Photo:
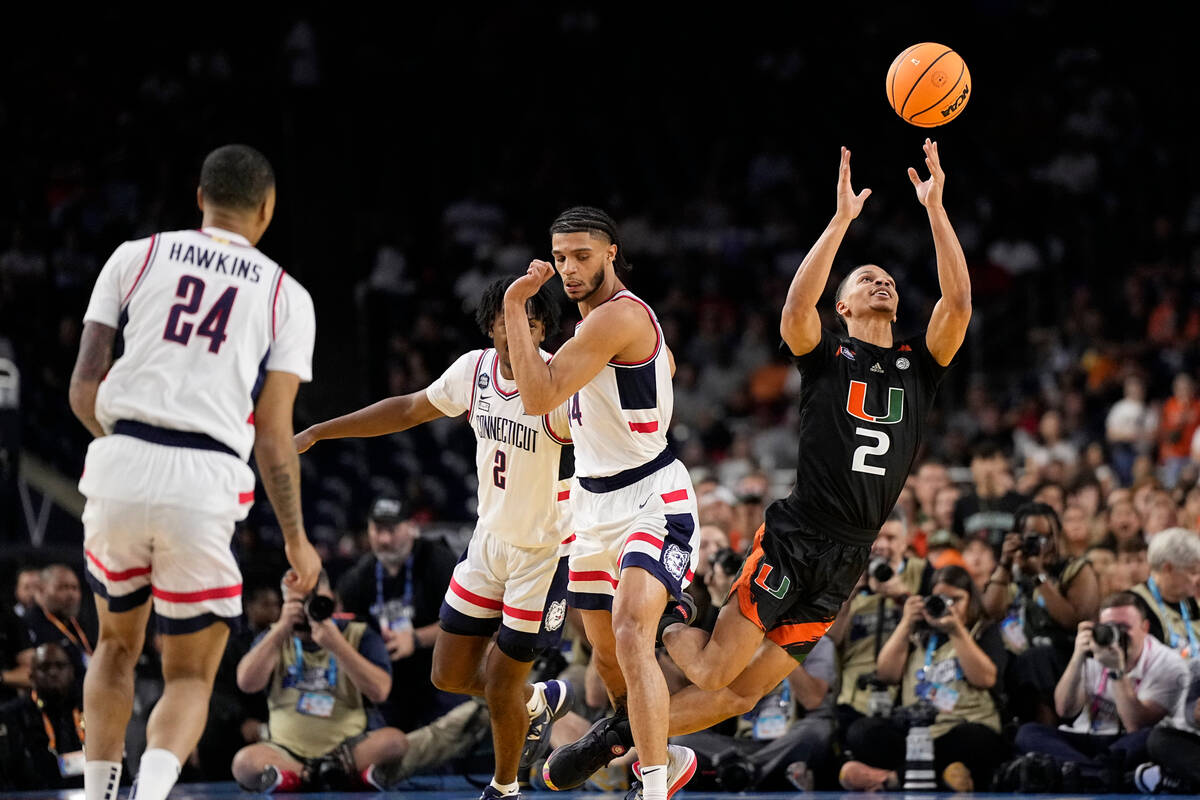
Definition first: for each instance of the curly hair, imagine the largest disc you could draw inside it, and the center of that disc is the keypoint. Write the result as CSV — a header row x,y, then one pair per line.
x,y
543,305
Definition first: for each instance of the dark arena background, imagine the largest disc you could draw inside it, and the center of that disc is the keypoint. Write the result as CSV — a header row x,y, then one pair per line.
x,y
422,152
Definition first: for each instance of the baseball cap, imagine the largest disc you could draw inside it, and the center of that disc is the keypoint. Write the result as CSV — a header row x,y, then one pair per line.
x,y
387,510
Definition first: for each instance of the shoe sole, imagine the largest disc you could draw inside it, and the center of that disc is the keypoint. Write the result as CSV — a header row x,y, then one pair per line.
x,y
610,755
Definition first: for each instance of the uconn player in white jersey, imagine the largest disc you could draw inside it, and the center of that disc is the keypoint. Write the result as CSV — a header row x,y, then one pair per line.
x,y
214,341
513,576
634,507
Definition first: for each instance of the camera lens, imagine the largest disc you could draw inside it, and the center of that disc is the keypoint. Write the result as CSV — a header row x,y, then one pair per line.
x,y
880,570
1031,544
1105,633
936,606
318,607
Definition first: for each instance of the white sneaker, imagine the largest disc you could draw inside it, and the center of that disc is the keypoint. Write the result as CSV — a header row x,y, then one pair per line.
x,y
681,766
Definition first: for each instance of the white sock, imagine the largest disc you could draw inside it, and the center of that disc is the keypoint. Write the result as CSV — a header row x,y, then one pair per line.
x,y
654,782
506,788
101,780
537,702
156,775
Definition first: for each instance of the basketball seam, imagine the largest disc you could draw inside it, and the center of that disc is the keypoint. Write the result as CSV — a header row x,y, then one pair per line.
x,y
912,88
943,97
892,88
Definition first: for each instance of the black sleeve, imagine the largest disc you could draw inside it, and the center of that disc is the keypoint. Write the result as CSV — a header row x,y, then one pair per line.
x,y
353,592
819,357
441,567
960,517
991,643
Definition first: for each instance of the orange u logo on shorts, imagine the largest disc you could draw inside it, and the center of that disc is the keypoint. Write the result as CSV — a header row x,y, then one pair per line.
x,y
764,572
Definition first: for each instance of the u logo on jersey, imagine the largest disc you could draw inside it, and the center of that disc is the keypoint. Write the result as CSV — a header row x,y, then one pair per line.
x,y
856,399
764,572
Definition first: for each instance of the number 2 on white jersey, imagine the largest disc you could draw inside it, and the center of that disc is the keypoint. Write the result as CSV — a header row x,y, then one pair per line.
x,y
191,289
882,443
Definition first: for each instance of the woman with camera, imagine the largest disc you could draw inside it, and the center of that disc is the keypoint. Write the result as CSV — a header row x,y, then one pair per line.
x,y
1041,596
947,658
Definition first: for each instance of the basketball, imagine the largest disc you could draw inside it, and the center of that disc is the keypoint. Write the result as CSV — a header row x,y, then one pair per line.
x,y
928,85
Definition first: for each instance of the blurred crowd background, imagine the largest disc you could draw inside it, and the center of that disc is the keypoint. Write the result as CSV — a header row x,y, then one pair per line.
x,y
417,160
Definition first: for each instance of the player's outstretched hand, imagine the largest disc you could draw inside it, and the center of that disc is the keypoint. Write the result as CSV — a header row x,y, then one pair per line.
x,y
849,204
306,566
528,284
304,440
929,192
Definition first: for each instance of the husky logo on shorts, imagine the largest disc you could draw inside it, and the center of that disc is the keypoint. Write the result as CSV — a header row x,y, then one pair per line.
x,y
483,381
675,560
556,615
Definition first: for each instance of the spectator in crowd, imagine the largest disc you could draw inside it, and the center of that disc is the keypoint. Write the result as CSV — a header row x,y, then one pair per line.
x,y
1133,563
16,655
980,561
707,596
42,734
1076,536
55,617
1180,419
1170,591
1041,595
1048,446
1051,494
1162,514
1108,577
1129,428
782,742
25,593
868,618
319,675
947,666
988,510
716,507
1123,522
928,480
1115,690
399,586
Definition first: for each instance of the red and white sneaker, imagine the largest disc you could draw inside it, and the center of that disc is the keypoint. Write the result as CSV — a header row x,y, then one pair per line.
x,y
681,766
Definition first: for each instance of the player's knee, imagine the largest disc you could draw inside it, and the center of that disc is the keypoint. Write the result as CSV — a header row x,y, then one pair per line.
x,y
447,678
633,637
117,654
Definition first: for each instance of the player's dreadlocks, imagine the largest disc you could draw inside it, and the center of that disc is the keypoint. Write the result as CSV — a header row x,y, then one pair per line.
x,y
587,219
543,305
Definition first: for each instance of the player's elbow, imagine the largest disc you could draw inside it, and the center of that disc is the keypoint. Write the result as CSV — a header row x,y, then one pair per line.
x,y
538,404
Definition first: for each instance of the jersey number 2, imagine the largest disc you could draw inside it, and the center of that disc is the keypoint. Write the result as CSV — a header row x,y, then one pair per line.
x,y
501,463
191,289
882,443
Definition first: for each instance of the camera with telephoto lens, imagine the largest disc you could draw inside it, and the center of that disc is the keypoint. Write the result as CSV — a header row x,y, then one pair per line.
x,y
1106,634
734,772
318,607
879,698
880,570
1032,544
938,605
728,560
920,713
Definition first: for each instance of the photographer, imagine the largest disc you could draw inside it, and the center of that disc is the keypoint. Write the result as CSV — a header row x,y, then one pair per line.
x,y
710,586
947,658
1041,596
1174,745
1119,683
318,672
868,618
1170,591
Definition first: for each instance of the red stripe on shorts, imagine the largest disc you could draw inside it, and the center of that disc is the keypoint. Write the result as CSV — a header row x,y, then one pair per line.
x,y
596,575
474,599
198,597
246,497
644,537
569,539
116,576
678,494
565,494
520,613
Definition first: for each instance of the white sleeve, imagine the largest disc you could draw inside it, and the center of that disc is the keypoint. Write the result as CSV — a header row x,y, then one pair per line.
x,y
295,329
451,393
1166,682
560,427
120,273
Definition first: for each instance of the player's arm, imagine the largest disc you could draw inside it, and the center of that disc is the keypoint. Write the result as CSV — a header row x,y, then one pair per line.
x,y
379,419
948,325
95,357
800,325
279,467
608,330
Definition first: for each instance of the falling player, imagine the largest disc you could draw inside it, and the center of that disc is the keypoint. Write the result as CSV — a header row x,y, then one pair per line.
x,y
634,507
217,338
863,400
513,575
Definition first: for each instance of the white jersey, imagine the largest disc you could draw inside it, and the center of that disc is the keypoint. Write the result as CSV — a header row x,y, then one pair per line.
x,y
203,316
619,419
524,475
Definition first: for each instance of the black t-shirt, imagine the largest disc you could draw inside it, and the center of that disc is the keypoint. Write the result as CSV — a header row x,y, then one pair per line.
x,y
13,640
74,636
25,759
862,415
987,518
413,698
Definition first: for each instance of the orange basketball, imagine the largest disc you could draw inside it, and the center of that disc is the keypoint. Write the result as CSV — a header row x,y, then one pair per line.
x,y
928,85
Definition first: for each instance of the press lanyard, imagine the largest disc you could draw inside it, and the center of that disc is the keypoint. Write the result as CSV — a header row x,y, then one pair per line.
x,y
1193,648
923,675
296,671
82,642
407,599
52,738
